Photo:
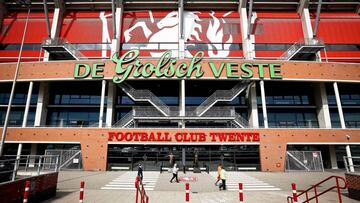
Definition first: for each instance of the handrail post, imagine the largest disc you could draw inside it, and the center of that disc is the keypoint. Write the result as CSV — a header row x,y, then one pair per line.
x,y
307,197
39,165
27,163
137,191
338,189
316,195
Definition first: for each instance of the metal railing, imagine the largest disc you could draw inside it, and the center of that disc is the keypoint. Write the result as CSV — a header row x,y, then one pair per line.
x,y
316,194
151,113
28,165
125,121
221,95
66,157
60,42
145,95
295,48
355,165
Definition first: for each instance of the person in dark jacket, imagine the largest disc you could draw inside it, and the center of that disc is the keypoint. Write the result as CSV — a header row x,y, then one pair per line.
x,y
175,170
140,172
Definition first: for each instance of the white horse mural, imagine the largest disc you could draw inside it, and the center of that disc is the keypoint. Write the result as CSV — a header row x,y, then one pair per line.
x,y
167,31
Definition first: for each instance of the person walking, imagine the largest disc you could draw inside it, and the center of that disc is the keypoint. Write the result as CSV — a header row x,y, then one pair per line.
x,y
175,171
140,172
223,179
218,172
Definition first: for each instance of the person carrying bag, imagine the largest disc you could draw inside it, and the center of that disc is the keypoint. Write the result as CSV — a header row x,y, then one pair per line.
x,y
175,171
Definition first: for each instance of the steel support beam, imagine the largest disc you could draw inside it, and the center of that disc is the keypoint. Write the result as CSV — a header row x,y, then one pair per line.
x,y
47,20
253,107
115,44
339,105
303,4
42,103
56,23
113,10
27,106
12,93
242,4
181,51
182,103
249,19
247,43
263,104
350,161
318,11
102,103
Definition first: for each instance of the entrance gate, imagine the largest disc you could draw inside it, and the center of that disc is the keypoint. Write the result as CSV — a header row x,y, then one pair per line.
x,y
152,157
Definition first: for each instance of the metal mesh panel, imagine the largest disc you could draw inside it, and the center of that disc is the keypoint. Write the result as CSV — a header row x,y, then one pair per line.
x,y
304,161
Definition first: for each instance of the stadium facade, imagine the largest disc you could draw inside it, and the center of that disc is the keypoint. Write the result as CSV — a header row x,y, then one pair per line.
x,y
242,83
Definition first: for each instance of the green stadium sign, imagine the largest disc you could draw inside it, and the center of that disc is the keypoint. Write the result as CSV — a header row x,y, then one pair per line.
x,y
129,66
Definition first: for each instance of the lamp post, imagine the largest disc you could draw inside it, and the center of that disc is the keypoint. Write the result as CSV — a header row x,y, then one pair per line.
x,y
27,4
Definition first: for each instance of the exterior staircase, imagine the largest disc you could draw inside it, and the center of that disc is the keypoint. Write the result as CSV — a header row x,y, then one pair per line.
x,y
302,50
151,113
221,95
145,95
60,49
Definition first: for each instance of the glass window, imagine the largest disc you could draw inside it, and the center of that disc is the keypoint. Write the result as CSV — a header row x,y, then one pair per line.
x,y
75,93
290,118
71,117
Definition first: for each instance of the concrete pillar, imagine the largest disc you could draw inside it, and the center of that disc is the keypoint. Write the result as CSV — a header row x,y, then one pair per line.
x,y
253,108
110,106
263,103
333,159
55,26
42,102
33,151
322,107
248,42
115,43
102,103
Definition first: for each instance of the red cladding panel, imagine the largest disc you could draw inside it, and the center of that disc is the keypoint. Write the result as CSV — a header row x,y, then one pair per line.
x,y
87,27
14,24
271,30
340,31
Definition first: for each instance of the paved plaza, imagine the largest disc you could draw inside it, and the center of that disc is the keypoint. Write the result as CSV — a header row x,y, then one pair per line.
x,y
258,187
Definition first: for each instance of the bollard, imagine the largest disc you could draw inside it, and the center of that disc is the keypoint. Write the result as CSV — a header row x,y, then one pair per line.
x,y
293,186
82,184
26,191
241,195
187,196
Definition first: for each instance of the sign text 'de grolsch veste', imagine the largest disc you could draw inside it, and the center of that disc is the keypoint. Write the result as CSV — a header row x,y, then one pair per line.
x,y
130,66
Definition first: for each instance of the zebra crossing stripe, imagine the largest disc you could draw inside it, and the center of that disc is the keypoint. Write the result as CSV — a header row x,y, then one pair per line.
x,y
126,181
